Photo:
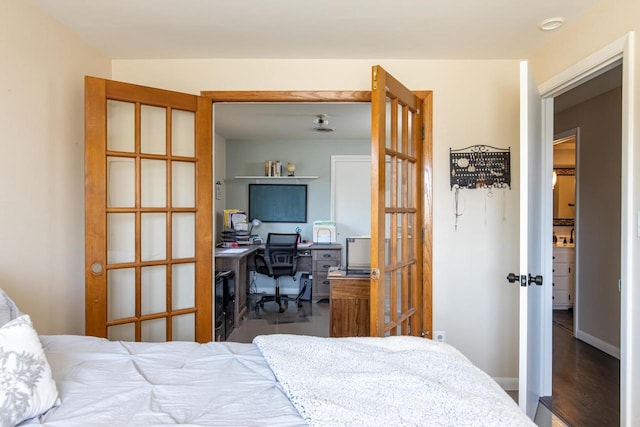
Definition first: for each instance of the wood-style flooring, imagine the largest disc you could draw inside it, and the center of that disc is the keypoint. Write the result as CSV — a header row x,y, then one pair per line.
x,y
586,381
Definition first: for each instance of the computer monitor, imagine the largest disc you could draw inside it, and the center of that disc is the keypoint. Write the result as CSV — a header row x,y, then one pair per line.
x,y
358,256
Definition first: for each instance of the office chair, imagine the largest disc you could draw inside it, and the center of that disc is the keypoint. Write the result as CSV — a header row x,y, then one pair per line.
x,y
279,259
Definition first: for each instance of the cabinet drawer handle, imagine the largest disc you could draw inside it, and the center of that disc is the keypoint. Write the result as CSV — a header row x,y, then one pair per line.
x,y
326,255
326,282
326,266
553,284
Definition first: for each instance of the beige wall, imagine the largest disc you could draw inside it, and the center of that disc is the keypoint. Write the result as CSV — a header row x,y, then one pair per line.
x,y
609,21
41,166
475,102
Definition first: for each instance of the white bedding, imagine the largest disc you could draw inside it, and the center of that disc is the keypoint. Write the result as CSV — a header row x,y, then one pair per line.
x,y
320,381
105,383
394,381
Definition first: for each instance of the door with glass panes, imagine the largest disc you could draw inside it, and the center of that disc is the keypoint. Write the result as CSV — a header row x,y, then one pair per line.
x,y
148,206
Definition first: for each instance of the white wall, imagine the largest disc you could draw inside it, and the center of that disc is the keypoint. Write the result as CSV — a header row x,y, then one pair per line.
x,y
605,23
219,174
475,102
42,165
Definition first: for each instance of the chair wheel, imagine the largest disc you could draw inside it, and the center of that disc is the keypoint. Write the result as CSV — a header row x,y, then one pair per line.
x,y
281,310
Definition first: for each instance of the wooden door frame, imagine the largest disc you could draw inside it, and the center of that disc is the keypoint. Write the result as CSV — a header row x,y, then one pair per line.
x,y
427,160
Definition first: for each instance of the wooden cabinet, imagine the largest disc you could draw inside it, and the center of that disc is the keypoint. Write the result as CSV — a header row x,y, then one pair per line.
x,y
323,257
563,277
349,306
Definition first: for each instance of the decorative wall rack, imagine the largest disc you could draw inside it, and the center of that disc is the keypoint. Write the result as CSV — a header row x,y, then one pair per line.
x,y
480,166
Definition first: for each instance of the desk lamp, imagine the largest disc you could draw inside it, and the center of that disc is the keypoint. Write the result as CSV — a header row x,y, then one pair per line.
x,y
255,222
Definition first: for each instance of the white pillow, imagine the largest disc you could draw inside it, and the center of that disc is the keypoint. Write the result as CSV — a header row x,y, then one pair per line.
x,y
8,308
27,388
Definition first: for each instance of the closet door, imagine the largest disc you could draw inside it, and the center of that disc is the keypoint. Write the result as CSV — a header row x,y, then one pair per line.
x,y
148,205
400,208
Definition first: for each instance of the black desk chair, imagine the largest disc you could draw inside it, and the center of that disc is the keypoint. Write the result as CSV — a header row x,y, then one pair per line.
x,y
279,259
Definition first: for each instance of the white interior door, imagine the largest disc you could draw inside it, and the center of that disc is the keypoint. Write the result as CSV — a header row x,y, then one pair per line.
x,y
532,241
350,191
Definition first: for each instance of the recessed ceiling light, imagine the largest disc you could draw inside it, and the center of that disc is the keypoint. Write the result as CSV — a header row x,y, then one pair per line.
x,y
551,23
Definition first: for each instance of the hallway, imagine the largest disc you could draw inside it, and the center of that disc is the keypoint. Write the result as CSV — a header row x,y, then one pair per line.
x,y
586,381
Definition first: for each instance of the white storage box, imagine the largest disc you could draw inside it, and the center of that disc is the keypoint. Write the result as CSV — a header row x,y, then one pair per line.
x,y
324,232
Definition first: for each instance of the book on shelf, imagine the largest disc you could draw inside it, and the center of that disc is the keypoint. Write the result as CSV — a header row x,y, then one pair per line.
x,y
273,168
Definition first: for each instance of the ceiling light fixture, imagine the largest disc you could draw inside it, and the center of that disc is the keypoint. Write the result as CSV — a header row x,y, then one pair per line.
x,y
322,124
551,23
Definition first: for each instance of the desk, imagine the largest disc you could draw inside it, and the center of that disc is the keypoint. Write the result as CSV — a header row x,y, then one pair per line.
x,y
316,259
236,259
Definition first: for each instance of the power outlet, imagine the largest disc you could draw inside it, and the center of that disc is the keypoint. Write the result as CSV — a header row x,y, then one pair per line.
x,y
440,336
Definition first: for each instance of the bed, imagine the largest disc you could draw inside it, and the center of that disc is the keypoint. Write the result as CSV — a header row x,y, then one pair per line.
x,y
278,380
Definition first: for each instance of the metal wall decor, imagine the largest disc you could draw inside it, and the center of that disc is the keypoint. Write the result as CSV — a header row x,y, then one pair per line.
x,y
480,166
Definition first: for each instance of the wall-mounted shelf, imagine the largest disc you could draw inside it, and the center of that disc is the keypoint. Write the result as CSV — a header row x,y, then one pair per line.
x,y
259,178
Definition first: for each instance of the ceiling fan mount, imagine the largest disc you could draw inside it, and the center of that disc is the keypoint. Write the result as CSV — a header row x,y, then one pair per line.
x,y
322,123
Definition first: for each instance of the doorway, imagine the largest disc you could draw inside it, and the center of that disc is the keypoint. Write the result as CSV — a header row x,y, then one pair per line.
x,y
412,111
587,327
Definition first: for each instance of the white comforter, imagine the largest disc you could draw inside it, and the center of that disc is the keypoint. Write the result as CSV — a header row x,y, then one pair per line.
x,y
390,381
320,381
113,384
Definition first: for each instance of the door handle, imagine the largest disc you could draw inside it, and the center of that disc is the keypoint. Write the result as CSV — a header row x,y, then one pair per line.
x,y
512,278
535,280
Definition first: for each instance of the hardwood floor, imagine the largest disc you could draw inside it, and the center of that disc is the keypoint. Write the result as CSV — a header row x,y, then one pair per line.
x,y
586,381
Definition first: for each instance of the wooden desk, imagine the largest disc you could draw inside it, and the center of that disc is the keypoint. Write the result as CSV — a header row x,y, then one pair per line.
x,y
349,306
237,259
315,259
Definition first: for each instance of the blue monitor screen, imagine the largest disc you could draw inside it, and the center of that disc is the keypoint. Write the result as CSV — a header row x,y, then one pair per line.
x,y
278,202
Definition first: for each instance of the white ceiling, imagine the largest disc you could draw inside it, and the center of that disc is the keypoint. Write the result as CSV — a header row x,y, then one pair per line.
x,y
335,29
352,29
280,122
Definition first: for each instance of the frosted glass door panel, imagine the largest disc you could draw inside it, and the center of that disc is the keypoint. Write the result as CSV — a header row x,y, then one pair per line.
x,y
121,293
154,288
182,133
183,327
153,183
126,332
154,330
121,182
153,130
410,149
183,187
153,236
388,124
121,126
121,238
184,286
400,202
183,237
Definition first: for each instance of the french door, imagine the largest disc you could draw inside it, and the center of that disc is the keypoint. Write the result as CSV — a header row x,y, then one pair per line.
x,y
148,207
401,208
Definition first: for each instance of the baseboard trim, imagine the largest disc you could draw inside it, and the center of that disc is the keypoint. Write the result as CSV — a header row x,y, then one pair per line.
x,y
507,383
599,344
